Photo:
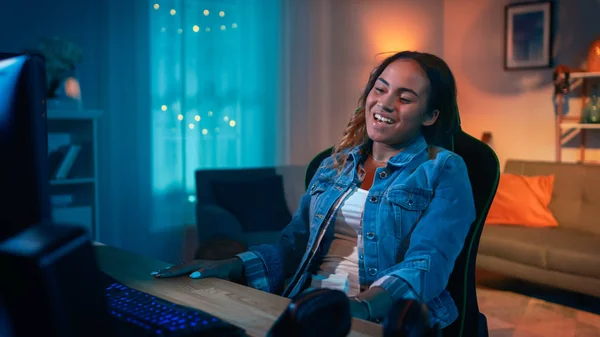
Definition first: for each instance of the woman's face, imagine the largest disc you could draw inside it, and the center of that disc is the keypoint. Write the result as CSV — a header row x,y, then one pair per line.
x,y
396,107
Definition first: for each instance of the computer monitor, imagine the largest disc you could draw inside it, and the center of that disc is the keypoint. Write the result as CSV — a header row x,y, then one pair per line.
x,y
50,279
24,183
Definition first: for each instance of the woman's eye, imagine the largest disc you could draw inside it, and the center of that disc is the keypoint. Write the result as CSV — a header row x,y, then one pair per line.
x,y
404,100
378,90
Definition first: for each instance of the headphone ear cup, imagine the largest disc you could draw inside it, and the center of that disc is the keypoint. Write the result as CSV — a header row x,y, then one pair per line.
x,y
317,313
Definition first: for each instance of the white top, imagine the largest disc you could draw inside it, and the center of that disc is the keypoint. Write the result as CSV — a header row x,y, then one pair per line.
x,y
339,269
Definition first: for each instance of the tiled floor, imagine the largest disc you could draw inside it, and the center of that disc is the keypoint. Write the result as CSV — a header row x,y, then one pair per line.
x,y
521,312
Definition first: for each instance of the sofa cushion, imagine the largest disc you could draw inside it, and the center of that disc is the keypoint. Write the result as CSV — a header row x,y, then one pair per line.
x,y
522,201
555,249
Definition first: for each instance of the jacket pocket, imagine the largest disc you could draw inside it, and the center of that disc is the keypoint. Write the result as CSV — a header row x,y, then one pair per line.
x,y
408,204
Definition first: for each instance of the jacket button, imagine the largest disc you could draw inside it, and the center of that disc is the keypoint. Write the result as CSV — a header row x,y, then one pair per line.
x,y
360,257
320,216
371,236
383,174
372,271
373,199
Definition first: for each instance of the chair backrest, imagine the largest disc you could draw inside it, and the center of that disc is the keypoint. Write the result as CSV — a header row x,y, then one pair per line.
x,y
484,173
313,166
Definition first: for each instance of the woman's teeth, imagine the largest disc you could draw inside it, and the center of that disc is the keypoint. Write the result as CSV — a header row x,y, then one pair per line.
x,y
382,119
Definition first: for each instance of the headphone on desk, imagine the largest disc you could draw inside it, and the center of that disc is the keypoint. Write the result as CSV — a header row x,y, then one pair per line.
x,y
326,313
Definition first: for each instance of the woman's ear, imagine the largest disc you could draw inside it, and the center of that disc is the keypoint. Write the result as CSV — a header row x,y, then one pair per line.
x,y
431,118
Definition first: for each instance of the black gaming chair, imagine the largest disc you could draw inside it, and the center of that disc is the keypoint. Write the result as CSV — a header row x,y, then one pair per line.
x,y
484,174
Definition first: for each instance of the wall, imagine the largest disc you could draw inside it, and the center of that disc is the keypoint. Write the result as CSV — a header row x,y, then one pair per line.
x,y
331,47
516,106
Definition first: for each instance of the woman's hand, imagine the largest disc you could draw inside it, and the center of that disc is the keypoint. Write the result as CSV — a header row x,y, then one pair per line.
x,y
230,269
358,309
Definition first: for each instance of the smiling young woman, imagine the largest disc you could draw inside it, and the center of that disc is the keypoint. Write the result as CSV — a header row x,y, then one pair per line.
x,y
386,215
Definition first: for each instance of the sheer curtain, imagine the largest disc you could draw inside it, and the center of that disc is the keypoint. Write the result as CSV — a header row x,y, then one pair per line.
x,y
214,95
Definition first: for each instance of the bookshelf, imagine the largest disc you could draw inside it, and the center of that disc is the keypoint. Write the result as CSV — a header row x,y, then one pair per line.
x,y
73,164
567,123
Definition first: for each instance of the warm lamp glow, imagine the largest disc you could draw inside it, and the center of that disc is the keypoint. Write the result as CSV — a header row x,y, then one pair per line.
x,y
72,88
391,34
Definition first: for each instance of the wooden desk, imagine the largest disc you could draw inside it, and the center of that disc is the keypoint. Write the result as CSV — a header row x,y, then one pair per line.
x,y
251,309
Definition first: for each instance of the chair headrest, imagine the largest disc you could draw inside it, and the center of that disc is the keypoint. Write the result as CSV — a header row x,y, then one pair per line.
x,y
442,134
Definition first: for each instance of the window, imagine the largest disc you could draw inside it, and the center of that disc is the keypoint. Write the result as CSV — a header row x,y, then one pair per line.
x,y
215,88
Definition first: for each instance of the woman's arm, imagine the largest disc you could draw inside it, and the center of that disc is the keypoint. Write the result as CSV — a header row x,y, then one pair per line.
x,y
435,243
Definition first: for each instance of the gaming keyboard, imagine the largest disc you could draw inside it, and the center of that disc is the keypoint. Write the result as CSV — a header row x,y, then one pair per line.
x,y
139,314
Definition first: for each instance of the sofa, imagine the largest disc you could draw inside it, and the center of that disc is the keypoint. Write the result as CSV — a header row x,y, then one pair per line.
x,y
566,256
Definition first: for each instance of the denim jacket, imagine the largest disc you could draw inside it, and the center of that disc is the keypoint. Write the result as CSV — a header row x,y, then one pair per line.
x,y
416,218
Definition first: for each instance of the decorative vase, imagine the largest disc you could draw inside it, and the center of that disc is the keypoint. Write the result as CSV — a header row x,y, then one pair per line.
x,y
594,56
591,110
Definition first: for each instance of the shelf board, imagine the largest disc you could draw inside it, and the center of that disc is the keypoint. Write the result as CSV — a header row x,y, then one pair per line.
x,y
585,74
72,181
579,126
73,114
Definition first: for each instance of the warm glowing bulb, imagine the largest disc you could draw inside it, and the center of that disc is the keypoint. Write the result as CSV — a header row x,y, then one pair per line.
x,y
234,25
221,14
156,6
191,126
163,108
210,113
173,12
180,31
222,27
196,28
232,123
225,118
204,131
197,118
180,117
207,30
206,12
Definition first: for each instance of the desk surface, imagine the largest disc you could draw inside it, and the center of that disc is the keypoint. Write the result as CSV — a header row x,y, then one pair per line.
x,y
251,309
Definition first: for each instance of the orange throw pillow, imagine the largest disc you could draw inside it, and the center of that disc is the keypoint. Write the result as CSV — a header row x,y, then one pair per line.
x,y
522,201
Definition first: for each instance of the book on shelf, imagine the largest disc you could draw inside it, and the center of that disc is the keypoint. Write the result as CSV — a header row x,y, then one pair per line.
x,y
64,167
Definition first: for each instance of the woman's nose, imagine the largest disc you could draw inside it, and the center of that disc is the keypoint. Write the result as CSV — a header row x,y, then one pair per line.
x,y
387,104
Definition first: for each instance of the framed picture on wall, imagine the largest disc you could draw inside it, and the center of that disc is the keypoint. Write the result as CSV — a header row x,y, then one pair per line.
x,y
528,35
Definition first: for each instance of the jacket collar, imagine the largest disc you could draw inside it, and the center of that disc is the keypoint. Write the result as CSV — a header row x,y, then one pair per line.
x,y
417,146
